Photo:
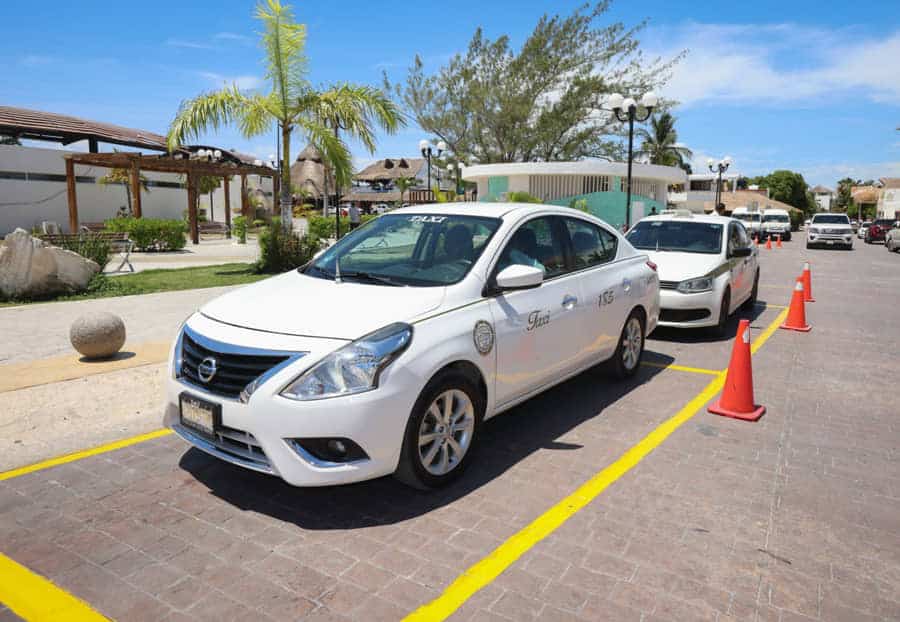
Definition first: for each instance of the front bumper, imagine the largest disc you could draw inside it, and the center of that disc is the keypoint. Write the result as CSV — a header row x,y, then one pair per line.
x,y
698,310
830,239
784,233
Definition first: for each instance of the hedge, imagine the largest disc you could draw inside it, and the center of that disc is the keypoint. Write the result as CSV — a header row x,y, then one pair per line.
x,y
323,227
151,234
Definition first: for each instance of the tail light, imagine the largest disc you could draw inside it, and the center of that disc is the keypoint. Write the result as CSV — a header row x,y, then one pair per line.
x,y
651,265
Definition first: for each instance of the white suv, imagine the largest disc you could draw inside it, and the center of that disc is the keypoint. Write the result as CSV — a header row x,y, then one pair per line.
x,y
830,230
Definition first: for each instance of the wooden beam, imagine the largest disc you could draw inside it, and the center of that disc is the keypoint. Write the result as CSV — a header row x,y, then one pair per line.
x,y
73,200
227,207
245,200
136,188
192,208
161,164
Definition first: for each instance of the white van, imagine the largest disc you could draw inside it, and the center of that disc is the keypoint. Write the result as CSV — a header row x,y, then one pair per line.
x,y
751,217
776,222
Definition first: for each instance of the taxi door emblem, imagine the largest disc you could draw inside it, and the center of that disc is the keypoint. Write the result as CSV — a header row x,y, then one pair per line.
x,y
483,336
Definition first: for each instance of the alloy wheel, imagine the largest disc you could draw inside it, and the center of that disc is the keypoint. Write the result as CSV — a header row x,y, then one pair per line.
x,y
446,432
632,342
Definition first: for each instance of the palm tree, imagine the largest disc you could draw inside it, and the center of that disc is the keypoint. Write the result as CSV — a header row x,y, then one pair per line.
x,y
403,184
660,144
292,103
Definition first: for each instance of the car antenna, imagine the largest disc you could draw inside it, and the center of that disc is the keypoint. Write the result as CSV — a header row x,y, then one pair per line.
x,y
337,271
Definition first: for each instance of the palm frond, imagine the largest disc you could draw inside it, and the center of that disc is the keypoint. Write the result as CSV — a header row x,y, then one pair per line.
x,y
209,111
284,41
356,109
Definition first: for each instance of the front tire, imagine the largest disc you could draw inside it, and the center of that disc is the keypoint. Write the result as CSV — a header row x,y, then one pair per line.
x,y
721,328
441,432
630,349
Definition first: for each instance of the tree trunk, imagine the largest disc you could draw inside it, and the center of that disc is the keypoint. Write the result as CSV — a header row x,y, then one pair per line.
x,y
287,211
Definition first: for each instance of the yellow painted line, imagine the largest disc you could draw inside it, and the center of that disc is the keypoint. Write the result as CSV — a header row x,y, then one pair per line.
x,y
768,306
78,455
14,376
690,370
36,599
501,558
771,328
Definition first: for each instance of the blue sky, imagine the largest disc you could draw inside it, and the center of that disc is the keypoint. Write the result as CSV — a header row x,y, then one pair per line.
x,y
809,86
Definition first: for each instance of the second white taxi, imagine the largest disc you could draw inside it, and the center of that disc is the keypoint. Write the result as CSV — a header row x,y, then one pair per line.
x,y
386,353
708,267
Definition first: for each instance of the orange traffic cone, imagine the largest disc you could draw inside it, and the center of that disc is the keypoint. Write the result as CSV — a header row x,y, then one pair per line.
x,y
796,318
778,241
769,243
807,283
737,395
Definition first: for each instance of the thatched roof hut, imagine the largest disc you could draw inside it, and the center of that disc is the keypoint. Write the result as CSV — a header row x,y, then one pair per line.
x,y
308,172
390,169
865,195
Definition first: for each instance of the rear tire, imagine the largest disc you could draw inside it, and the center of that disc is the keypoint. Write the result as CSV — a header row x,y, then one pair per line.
x,y
630,350
438,430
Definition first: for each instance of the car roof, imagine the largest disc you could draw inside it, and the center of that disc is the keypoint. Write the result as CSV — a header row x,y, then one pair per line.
x,y
704,218
478,208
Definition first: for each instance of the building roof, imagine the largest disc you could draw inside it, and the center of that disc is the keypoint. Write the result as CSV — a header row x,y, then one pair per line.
x,y
864,194
38,125
357,194
308,172
391,168
667,174
748,198
890,182
820,190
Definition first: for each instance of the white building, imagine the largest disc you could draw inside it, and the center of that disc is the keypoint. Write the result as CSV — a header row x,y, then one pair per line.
x,y
600,184
823,197
889,199
698,194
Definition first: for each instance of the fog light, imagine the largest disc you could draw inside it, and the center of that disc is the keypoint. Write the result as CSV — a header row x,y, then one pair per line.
x,y
327,451
337,447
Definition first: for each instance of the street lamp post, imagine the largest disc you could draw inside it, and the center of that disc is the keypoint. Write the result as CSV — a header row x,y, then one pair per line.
x,y
428,152
718,167
626,109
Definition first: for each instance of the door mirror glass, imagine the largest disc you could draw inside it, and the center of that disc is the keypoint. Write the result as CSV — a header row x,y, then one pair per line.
x,y
518,276
741,252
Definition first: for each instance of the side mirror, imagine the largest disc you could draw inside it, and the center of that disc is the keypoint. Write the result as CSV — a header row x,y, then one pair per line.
x,y
742,252
518,276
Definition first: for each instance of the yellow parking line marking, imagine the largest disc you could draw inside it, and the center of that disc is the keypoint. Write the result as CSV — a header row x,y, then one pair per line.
x,y
768,306
690,370
34,598
78,455
501,558
14,376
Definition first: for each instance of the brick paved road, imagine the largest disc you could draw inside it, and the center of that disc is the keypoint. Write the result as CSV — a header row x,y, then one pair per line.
x,y
793,518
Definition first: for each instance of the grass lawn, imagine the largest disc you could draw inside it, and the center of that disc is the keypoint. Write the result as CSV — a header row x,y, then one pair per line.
x,y
150,281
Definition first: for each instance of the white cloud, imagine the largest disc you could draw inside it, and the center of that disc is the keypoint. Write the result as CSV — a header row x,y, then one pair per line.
x,y
828,173
244,83
194,45
34,60
777,64
232,36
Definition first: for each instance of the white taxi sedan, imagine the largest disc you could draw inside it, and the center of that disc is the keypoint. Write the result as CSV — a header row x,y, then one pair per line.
x,y
708,267
386,352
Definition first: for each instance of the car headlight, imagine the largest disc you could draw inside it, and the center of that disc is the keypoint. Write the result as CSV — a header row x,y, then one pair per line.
x,y
354,368
692,286
814,230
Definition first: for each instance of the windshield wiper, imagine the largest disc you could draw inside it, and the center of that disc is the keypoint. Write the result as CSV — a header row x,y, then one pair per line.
x,y
373,278
322,271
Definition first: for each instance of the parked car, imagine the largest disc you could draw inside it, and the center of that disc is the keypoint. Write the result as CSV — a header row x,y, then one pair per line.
x,y
830,230
878,230
855,225
892,237
708,267
861,232
380,208
776,222
752,220
424,323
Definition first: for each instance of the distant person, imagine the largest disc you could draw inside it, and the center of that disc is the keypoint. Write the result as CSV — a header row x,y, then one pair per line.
x,y
653,211
720,209
354,216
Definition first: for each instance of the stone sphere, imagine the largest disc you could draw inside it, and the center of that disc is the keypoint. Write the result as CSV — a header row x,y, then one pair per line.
x,y
97,335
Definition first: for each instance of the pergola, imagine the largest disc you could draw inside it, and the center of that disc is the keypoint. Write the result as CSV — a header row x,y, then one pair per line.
x,y
190,168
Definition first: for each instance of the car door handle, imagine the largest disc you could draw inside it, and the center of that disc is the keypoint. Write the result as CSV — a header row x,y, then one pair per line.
x,y
569,301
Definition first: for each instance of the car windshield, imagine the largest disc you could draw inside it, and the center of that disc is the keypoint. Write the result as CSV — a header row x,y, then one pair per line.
x,y
677,236
776,218
747,217
831,219
422,250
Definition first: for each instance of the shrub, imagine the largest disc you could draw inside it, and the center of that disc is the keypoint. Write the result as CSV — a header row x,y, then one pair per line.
x,y
239,229
323,227
90,246
280,251
149,234
259,222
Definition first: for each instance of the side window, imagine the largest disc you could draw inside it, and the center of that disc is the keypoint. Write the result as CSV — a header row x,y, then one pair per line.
x,y
591,245
743,238
535,243
734,240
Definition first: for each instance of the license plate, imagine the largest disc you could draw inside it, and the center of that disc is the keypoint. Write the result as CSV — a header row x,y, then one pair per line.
x,y
199,415
829,242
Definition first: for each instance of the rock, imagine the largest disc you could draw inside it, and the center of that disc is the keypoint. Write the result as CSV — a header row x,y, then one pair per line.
x,y
31,268
97,335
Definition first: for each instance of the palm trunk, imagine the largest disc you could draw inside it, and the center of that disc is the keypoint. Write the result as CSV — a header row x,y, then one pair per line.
x,y
287,211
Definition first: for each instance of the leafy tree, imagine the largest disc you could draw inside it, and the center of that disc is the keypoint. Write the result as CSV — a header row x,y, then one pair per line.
x,y
542,101
123,176
844,200
293,104
521,197
660,142
403,184
788,187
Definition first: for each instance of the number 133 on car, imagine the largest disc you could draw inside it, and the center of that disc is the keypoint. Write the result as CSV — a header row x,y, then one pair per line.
x,y
387,352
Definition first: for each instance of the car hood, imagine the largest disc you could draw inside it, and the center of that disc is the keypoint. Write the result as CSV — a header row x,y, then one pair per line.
x,y
680,266
296,304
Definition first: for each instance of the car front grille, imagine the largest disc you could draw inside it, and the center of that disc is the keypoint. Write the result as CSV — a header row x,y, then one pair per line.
x,y
668,284
834,231
241,444
682,315
233,371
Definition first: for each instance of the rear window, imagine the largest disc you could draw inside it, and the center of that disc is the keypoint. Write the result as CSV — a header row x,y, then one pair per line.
x,y
677,236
